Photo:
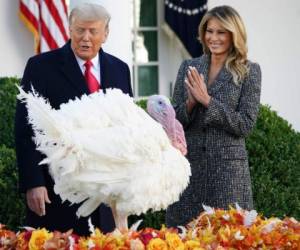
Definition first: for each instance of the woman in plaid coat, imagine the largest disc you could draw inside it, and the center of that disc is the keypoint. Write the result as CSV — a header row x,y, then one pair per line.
x,y
217,100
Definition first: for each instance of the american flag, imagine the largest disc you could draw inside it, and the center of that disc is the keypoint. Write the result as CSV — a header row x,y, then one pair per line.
x,y
47,20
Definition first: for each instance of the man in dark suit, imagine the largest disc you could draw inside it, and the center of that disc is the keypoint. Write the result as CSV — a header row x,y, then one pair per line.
x,y
59,76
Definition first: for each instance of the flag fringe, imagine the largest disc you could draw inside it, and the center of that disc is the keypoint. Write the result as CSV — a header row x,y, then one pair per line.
x,y
33,30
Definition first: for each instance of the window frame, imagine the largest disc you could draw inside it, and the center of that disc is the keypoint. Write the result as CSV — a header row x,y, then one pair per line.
x,y
135,65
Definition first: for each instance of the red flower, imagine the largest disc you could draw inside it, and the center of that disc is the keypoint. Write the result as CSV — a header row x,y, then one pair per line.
x,y
146,237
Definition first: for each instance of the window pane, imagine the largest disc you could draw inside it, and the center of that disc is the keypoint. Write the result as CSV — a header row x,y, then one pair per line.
x,y
145,13
146,46
148,80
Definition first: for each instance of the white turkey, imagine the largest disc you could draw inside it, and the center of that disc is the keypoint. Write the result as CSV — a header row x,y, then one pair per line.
x,y
118,155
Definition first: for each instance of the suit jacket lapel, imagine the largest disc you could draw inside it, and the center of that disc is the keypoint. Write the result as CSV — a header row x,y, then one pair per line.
x,y
204,67
105,67
72,70
223,76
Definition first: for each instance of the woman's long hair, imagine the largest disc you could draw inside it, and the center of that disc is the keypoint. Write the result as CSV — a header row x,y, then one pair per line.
x,y
236,61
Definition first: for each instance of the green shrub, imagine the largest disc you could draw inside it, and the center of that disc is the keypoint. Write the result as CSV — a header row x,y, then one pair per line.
x,y
150,219
8,92
12,204
142,103
274,158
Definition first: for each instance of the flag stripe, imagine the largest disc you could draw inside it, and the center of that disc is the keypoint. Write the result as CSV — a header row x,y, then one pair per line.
x,y
47,35
52,32
44,45
62,9
57,17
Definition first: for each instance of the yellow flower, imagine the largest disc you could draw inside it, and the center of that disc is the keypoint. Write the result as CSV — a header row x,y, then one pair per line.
x,y
97,238
174,242
157,244
192,245
38,238
207,236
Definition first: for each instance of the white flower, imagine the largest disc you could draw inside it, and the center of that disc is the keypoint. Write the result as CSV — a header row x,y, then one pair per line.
x,y
238,208
194,234
238,235
154,234
226,217
72,242
249,217
4,241
292,219
270,226
91,244
183,233
208,210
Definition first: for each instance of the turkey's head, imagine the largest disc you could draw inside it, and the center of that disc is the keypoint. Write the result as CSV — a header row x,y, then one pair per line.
x,y
160,109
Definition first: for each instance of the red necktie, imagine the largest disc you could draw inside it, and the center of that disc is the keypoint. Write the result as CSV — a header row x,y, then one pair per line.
x,y
91,80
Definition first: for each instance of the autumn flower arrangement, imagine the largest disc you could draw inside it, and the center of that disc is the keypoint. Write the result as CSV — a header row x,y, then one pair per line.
x,y
213,229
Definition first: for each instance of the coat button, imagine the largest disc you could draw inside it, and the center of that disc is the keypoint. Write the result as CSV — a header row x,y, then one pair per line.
x,y
203,149
203,130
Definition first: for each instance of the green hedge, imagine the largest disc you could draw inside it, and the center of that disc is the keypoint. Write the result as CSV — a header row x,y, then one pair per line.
x,y
12,205
7,109
274,158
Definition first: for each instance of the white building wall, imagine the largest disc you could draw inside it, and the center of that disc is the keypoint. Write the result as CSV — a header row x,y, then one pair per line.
x,y
16,44
273,41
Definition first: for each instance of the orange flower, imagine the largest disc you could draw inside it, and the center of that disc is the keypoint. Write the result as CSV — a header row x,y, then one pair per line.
x,y
8,238
22,240
219,231
59,241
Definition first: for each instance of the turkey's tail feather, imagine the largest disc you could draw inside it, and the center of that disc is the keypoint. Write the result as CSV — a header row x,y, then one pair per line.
x,y
40,114
50,134
88,207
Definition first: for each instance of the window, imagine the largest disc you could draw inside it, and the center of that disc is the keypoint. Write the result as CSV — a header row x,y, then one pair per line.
x,y
145,48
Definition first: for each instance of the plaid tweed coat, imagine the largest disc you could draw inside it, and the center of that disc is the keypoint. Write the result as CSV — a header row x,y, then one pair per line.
x,y
216,141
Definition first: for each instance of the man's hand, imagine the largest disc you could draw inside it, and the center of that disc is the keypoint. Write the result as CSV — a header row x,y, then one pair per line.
x,y
36,198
